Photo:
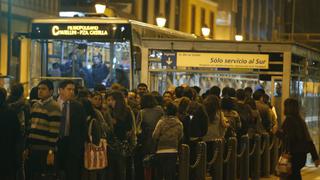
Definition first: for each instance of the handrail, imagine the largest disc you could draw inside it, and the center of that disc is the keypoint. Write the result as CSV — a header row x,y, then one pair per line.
x,y
263,147
280,144
199,152
228,155
253,149
243,150
215,157
272,143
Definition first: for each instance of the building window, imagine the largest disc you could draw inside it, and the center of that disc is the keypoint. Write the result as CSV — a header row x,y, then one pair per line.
x,y
212,19
203,17
145,11
193,19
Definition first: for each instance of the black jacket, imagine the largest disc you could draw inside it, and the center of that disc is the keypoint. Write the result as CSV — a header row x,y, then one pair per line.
x,y
296,138
71,148
9,138
198,123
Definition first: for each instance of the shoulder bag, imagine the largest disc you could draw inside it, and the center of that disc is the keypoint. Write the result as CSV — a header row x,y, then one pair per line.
x,y
95,156
284,166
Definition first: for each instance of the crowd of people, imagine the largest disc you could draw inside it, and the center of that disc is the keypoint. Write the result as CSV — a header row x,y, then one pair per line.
x,y
44,136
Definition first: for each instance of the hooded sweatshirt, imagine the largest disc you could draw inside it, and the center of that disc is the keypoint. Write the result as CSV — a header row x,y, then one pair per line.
x,y
168,133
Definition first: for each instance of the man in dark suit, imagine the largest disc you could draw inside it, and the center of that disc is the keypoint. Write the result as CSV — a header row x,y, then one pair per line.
x,y
72,132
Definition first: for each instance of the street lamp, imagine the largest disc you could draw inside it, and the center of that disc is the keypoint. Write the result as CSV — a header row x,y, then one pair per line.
x,y
100,7
238,37
205,31
161,21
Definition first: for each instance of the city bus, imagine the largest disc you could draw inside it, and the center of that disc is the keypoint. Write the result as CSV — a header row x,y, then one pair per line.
x,y
92,50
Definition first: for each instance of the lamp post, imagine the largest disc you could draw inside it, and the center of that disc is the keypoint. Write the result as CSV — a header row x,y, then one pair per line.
x,y
161,21
100,7
205,31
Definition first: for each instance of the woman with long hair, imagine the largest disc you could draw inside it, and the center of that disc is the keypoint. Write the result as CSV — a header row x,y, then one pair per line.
x,y
217,122
121,139
147,120
296,138
103,112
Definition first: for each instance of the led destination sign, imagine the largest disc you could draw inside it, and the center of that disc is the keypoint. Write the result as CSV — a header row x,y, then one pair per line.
x,y
98,32
78,30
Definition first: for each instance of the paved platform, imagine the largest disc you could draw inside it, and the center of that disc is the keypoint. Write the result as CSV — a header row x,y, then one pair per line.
x,y
308,173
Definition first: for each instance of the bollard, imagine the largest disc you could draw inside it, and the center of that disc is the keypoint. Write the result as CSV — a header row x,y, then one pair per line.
x,y
184,162
243,158
265,156
200,166
273,154
255,158
231,160
218,164
215,164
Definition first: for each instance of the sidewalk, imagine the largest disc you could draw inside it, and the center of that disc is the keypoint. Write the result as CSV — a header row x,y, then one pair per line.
x,y
308,173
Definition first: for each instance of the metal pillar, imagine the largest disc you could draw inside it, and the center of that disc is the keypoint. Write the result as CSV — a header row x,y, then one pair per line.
x,y
265,158
9,29
184,162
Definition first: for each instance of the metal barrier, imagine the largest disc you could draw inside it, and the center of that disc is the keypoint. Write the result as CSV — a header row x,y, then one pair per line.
x,y
215,165
243,158
255,158
184,162
259,160
265,156
200,166
274,154
230,162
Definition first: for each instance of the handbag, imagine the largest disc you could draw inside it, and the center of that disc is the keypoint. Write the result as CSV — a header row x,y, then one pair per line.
x,y
284,166
95,156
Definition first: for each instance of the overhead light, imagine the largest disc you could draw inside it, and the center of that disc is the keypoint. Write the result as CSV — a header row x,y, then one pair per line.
x,y
161,21
238,37
205,31
71,14
100,7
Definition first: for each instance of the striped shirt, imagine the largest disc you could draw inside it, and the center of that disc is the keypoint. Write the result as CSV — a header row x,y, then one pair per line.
x,y
45,124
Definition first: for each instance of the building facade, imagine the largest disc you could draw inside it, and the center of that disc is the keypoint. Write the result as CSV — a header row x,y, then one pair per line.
x,y
22,13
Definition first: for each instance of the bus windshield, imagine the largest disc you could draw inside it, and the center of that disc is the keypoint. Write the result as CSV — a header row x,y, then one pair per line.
x,y
99,55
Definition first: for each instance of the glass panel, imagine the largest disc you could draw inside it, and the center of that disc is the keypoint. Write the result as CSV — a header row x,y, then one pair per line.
x,y
160,81
205,78
306,89
277,98
5,82
95,62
